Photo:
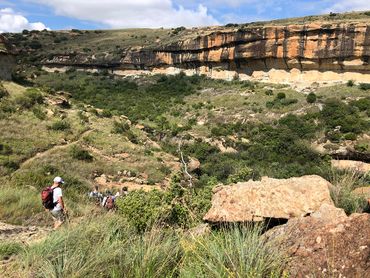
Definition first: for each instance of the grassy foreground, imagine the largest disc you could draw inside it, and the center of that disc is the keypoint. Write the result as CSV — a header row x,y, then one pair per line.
x,y
106,246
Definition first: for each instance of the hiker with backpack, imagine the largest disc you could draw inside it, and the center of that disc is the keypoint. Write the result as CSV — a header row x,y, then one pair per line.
x,y
52,200
96,196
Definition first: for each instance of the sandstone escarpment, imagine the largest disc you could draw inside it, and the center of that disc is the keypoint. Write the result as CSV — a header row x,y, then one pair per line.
x,y
312,52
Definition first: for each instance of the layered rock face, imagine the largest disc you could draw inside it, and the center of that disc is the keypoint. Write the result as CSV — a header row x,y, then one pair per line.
x,y
7,60
268,198
313,52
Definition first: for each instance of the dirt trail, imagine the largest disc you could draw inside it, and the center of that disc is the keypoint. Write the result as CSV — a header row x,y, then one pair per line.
x,y
53,148
23,234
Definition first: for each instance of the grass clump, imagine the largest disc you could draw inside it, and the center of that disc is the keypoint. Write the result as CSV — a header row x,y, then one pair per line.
x,y
104,246
107,246
235,252
8,249
342,191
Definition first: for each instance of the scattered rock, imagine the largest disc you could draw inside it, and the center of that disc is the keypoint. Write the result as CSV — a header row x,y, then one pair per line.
x,y
193,164
363,191
200,230
326,243
268,198
352,165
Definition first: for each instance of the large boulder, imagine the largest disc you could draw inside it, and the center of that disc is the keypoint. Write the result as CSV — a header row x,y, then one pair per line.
x,y
268,198
325,244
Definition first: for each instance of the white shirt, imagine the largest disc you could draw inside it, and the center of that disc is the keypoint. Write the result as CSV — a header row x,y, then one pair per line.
x,y
57,192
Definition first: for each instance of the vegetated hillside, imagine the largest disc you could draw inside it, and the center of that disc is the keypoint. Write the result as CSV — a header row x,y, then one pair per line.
x,y
338,43
97,128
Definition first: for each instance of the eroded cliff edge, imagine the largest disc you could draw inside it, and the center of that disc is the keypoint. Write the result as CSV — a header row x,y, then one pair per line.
x,y
316,51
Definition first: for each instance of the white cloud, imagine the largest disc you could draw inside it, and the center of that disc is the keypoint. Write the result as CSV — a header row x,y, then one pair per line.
x,y
348,6
128,13
10,21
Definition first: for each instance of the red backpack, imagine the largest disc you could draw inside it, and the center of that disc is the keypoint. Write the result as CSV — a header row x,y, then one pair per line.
x,y
109,204
47,198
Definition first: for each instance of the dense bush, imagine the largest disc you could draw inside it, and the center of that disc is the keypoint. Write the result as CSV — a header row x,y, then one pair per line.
x,y
3,92
311,98
280,100
336,113
60,125
149,101
120,127
80,154
30,98
142,209
5,149
350,83
364,86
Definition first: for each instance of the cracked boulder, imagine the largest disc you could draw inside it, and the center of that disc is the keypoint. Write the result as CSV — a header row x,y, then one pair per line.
x,y
268,198
327,243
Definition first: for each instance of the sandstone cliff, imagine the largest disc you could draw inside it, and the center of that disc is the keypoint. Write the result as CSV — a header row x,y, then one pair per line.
x,y
296,50
252,52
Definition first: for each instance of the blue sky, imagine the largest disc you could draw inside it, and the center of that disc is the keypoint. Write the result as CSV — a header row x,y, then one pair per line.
x,y
16,15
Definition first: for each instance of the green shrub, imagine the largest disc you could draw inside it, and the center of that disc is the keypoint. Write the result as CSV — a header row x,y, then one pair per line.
x,y
35,44
241,175
362,147
350,136
280,95
80,154
106,114
269,93
120,127
311,98
60,125
5,149
8,249
364,86
362,104
30,98
11,165
39,113
350,83
336,113
3,92
142,209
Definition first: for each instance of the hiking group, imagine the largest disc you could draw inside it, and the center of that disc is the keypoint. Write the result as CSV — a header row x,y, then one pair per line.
x,y
52,200
107,200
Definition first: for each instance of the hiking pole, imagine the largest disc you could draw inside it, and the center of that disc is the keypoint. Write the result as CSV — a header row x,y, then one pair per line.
x,y
67,217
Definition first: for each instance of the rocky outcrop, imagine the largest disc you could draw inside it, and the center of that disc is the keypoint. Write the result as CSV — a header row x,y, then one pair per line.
x,y
325,244
351,165
363,192
268,198
312,52
7,59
